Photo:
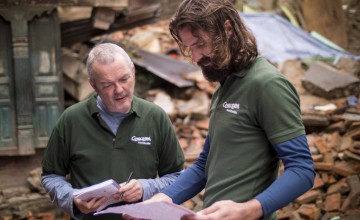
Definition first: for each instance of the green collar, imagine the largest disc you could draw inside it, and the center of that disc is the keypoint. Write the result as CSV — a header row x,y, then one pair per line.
x,y
243,72
135,107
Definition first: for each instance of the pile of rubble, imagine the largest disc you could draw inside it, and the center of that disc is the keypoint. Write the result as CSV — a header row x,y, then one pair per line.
x,y
28,202
331,114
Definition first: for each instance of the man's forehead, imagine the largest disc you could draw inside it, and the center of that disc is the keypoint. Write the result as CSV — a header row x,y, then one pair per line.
x,y
195,35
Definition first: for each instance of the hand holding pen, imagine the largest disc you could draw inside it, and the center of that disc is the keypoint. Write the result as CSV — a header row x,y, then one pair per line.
x,y
127,181
131,190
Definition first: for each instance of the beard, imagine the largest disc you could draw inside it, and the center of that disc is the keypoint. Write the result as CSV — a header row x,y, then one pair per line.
x,y
211,73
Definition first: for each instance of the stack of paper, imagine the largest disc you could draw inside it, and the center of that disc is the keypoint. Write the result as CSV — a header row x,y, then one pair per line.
x,y
103,189
153,211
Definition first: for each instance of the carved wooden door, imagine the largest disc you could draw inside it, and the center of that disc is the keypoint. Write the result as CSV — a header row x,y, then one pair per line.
x,y
31,92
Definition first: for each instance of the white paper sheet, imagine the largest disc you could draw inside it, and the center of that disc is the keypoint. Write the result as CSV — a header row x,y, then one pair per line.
x,y
103,189
151,211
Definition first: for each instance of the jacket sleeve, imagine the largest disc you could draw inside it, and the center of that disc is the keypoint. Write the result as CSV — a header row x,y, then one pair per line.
x,y
61,193
191,181
297,178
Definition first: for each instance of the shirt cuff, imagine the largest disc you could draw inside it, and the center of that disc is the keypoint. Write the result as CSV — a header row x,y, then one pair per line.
x,y
146,189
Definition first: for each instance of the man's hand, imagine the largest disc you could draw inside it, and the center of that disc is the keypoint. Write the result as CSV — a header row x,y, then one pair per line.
x,y
229,210
130,192
159,198
128,217
89,206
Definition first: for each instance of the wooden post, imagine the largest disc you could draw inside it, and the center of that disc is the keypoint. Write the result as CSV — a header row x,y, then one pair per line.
x,y
326,18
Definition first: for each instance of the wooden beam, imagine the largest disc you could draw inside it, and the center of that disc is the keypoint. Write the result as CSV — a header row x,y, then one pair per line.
x,y
95,3
326,18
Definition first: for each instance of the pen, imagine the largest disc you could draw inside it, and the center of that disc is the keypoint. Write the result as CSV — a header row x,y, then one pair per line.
x,y
127,181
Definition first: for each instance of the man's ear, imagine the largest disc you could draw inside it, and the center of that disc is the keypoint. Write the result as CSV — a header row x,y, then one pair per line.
x,y
92,84
133,70
228,29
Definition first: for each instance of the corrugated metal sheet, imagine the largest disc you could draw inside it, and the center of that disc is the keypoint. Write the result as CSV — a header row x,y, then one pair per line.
x,y
167,68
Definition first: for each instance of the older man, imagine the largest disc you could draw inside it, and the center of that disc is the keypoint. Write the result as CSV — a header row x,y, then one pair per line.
x,y
110,135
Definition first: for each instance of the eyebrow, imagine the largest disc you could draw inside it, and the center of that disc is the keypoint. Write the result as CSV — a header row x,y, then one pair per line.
x,y
105,82
197,42
194,44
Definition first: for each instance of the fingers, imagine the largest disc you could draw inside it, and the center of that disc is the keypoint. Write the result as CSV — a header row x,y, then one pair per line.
x,y
89,206
131,192
99,202
195,217
128,217
159,198
187,217
225,209
208,210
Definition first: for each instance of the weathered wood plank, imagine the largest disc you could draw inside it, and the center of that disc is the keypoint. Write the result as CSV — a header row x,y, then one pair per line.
x,y
95,3
326,18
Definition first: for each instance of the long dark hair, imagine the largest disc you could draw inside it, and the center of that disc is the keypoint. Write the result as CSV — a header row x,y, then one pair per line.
x,y
210,16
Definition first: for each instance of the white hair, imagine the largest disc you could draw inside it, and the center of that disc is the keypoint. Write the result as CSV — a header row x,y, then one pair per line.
x,y
105,53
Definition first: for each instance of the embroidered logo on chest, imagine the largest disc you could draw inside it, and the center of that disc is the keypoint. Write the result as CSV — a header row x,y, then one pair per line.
x,y
141,140
231,107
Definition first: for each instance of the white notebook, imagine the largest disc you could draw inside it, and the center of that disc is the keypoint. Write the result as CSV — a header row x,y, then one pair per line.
x,y
103,189
152,211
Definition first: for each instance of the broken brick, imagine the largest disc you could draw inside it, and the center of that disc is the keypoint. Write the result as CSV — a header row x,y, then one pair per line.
x,y
309,196
332,202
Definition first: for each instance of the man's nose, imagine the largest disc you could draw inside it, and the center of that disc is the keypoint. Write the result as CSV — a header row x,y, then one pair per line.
x,y
118,88
196,55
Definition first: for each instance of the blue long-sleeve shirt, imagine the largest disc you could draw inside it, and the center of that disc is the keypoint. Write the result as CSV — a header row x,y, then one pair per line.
x,y
297,178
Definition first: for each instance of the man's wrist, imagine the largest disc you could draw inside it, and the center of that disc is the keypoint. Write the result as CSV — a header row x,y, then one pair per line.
x,y
76,213
145,188
254,208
